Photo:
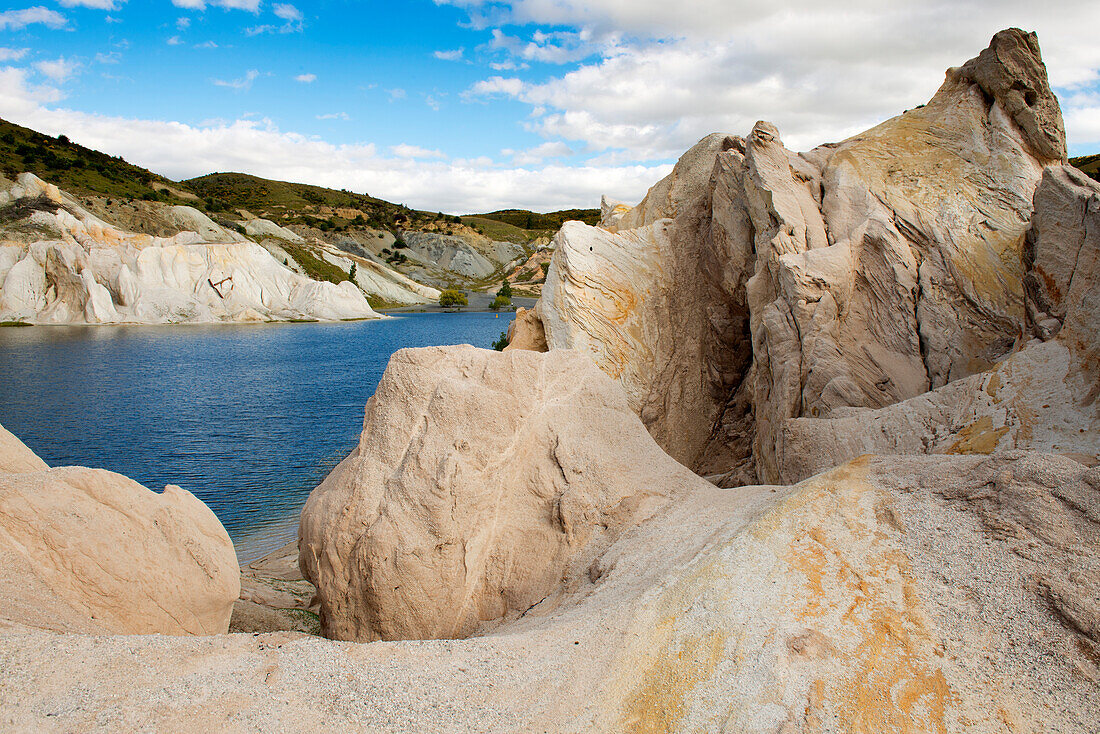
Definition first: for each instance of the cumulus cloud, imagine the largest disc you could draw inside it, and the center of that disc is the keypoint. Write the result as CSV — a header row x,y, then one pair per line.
x,y
539,153
13,20
665,74
180,151
415,151
59,69
306,78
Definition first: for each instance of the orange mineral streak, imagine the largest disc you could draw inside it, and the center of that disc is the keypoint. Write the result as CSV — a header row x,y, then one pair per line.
x,y
889,680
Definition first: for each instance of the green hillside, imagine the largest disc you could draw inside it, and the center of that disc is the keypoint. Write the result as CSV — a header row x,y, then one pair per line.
x,y
85,172
1090,164
524,219
74,168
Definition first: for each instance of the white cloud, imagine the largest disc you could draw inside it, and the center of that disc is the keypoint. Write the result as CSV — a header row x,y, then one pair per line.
x,y
287,12
396,94
539,153
452,55
112,57
306,78
12,54
334,116
59,69
666,74
511,87
206,44
174,41
242,84
180,151
415,151
16,19
507,66
252,6
183,23
95,4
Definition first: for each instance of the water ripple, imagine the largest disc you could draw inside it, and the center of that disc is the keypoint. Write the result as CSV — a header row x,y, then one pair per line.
x,y
248,418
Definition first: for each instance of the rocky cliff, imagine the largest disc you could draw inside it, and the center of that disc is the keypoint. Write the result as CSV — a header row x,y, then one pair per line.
x,y
755,287
61,264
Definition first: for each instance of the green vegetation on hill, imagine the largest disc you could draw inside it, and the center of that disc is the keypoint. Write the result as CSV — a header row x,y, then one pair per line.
x,y
524,219
80,171
85,172
315,267
305,204
1090,164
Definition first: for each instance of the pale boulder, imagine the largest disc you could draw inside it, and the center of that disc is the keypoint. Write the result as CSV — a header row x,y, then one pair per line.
x,y
526,332
91,551
482,483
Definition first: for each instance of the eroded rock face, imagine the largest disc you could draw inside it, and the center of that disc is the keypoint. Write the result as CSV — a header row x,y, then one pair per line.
x,y
1042,397
791,285
61,264
482,483
91,551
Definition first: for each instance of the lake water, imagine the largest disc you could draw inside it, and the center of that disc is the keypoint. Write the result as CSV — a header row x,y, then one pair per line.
x,y
248,418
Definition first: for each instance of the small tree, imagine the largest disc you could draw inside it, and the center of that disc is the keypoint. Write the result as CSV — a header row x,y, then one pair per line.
x,y
452,298
505,290
502,342
351,273
500,302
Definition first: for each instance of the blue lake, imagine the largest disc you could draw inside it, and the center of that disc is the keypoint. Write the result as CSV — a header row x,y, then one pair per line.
x,y
248,418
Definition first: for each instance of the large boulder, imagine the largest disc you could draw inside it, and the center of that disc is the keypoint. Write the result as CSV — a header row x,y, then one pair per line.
x,y
91,551
787,286
482,483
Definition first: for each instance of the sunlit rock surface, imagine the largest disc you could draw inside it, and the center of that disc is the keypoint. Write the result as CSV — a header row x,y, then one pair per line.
x,y
59,265
91,551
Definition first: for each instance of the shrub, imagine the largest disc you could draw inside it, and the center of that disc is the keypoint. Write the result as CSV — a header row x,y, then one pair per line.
x,y
452,298
500,302
351,273
502,342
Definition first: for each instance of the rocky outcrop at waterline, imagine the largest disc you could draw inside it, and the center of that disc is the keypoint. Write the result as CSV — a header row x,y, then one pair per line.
x,y
60,264
91,551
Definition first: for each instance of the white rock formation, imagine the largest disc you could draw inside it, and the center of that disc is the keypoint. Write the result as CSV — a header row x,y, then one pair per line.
x,y
754,286
449,253
90,551
482,482
60,264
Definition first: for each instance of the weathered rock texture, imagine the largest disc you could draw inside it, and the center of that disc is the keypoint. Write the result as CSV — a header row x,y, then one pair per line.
x,y
921,594
90,551
61,264
482,482
755,286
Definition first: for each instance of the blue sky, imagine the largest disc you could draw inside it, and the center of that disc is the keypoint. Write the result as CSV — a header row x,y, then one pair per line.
x,y
464,105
